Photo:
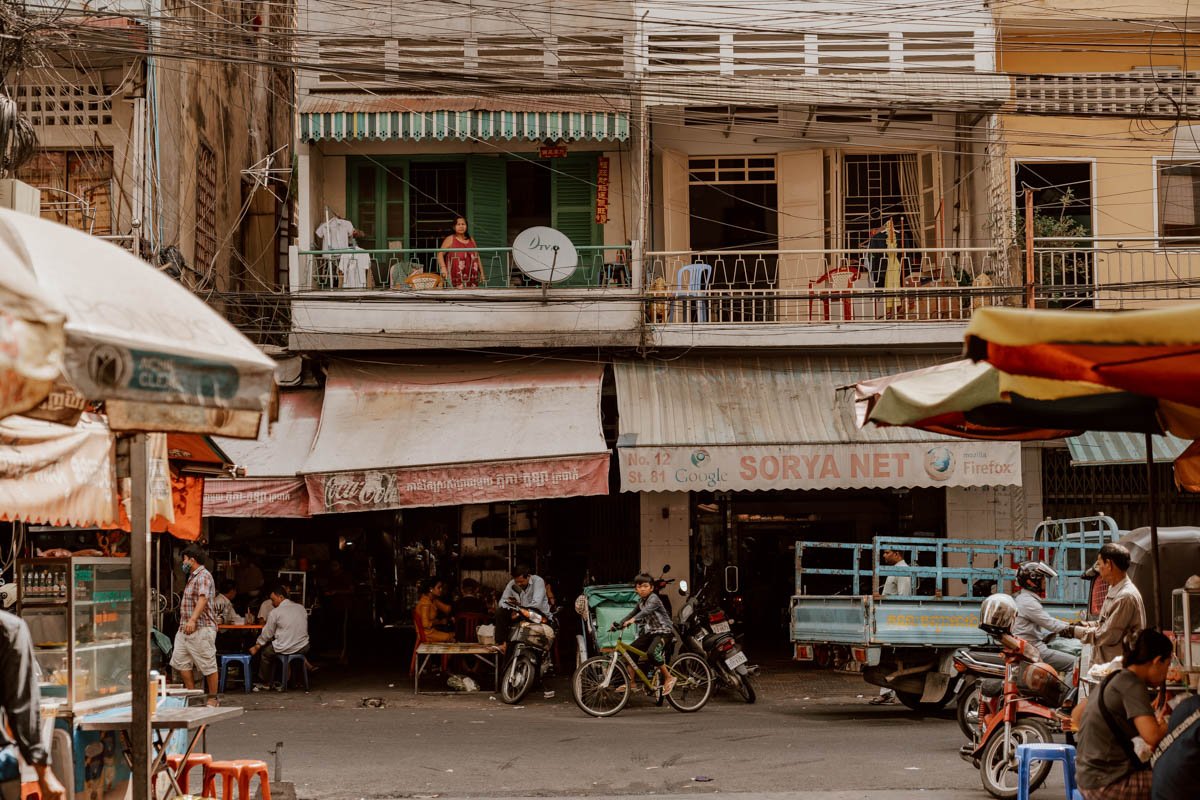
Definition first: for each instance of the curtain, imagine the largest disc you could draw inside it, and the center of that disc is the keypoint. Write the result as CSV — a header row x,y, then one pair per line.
x,y
910,196
1178,197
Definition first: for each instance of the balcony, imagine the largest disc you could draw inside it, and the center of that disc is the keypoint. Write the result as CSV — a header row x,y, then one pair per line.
x,y
1116,273
821,297
399,299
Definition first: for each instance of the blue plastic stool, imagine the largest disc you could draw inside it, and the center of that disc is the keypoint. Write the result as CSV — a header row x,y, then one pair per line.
x,y
1028,753
285,661
238,658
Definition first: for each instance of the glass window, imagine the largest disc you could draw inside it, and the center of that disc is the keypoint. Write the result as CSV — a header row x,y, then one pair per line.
x,y
1179,202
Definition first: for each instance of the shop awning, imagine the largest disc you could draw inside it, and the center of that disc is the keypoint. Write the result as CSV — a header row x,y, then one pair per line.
x,y
404,118
1096,448
713,424
456,431
271,464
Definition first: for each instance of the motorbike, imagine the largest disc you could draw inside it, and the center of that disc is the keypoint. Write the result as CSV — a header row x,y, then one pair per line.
x,y
704,629
1028,709
660,587
528,659
979,668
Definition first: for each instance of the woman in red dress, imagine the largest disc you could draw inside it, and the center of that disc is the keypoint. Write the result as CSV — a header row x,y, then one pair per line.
x,y
460,263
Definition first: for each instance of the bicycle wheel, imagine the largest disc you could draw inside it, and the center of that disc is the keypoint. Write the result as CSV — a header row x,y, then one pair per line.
x,y
590,693
693,683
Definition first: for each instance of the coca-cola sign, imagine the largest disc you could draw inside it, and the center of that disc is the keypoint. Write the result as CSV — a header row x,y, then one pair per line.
x,y
377,490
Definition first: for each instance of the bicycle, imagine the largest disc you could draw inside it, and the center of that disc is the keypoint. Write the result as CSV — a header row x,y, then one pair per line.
x,y
601,685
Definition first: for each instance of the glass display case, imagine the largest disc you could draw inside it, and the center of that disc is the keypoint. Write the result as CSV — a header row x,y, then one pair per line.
x,y
78,612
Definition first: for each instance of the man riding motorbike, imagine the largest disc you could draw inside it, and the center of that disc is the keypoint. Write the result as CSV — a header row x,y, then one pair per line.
x,y
1033,624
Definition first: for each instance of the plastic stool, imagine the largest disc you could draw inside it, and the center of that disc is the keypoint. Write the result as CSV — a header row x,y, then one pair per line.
x,y
31,790
1028,753
183,767
248,770
237,658
285,662
227,771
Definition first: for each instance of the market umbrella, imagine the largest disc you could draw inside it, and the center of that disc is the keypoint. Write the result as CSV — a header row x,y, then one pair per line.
x,y
158,358
31,335
1154,353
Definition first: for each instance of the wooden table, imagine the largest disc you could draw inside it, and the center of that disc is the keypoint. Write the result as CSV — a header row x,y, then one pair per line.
x,y
254,627
487,653
165,721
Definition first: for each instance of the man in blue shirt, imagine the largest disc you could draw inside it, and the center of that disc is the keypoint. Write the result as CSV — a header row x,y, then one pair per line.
x,y
523,592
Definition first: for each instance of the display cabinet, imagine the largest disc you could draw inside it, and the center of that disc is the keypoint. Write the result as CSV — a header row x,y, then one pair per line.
x,y
78,612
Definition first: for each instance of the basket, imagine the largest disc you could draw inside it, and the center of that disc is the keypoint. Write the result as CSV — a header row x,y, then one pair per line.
x,y
485,634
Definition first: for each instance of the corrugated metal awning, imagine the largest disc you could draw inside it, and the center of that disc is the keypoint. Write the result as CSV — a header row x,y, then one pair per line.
x,y
456,431
1096,448
272,486
782,422
403,118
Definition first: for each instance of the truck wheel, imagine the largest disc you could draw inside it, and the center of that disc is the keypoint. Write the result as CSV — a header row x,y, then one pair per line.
x,y
913,701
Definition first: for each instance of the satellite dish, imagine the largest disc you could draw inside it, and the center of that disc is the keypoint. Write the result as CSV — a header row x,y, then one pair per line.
x,y
544,254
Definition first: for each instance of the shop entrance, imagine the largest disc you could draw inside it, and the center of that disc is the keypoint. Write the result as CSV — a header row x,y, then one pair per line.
x,y
745,542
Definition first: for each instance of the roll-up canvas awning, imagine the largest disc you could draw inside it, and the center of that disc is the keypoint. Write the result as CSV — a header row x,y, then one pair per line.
x,y
728,424
456,431
271,464
1104,448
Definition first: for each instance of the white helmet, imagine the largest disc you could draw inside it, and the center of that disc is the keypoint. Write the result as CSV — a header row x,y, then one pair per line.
x,y
997,614
8,595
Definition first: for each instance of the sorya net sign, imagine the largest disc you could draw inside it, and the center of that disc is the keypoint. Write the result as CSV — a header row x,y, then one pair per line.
x,y
816,466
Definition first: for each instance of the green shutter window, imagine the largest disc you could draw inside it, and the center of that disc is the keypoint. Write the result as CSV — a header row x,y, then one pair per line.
x,y
487,213
573,211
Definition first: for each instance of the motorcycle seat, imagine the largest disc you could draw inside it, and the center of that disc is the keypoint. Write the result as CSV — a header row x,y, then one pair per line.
x,y
991,687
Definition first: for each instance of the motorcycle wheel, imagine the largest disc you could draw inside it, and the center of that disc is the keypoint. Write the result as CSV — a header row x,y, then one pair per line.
x,y
745,687
589,692
968,710
694,684
517,679
999,776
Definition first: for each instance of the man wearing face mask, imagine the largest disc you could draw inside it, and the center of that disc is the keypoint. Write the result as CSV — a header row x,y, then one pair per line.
x,y
196,642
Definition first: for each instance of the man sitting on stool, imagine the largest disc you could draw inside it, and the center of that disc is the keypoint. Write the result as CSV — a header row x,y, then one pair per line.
x,y
285,634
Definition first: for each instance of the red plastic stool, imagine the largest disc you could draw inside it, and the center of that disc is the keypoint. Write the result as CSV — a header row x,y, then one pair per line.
x,y
248,770
182,768
227,771
31,790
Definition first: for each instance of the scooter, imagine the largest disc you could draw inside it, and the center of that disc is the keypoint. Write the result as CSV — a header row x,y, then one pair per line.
x,y
981,670
704,629
528,657
660,587
1027,711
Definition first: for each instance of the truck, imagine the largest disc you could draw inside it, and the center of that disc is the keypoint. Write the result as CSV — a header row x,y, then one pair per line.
x,y
907,642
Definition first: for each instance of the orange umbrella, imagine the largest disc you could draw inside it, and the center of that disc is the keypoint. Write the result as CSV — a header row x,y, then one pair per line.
x,y
1155,353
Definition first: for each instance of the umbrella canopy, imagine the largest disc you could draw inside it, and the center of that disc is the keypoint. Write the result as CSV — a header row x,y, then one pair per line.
x,y
31,334
157,355
1149,352
977,401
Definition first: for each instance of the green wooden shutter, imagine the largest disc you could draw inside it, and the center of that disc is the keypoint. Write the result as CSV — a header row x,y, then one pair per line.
x,y
573,211
487,213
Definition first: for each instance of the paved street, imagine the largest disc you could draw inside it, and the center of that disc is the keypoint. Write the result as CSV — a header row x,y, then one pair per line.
x,y
810,736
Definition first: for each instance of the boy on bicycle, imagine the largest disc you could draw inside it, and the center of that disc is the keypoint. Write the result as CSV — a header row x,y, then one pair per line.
x,y
654,628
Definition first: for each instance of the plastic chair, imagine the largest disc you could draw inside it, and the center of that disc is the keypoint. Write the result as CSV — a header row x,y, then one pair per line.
x,y
465,623
419,640
226,661
31,790
182,767
285,662
1028,753
690,282
838,279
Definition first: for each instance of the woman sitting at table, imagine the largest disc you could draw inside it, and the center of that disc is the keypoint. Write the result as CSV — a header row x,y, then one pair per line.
x,y
433,613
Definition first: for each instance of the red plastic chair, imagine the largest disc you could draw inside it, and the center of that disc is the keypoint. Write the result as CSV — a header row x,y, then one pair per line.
x,y
419,640
465,624
838,279
183,767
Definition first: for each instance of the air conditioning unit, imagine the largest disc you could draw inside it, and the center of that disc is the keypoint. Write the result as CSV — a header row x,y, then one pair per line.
x,y
20,196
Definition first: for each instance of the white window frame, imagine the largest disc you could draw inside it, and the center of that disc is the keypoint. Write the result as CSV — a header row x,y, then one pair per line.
x,y
1156,230
1012,184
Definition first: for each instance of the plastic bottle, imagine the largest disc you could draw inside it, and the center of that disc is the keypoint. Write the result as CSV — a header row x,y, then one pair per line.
x,y
154,690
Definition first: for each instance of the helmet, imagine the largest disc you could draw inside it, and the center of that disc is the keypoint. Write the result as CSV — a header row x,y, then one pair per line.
x,y
997,613
1032,576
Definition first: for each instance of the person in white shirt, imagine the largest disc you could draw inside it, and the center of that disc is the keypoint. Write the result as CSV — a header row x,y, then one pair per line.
x,y
223,604
264,610
286,633
894,584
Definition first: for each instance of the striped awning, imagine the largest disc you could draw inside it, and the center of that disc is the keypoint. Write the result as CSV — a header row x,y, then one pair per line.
x,y
1099,448
533,126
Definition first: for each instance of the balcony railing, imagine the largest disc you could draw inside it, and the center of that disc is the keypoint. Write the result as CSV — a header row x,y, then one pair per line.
x,y
821,286
1112,273
417,269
